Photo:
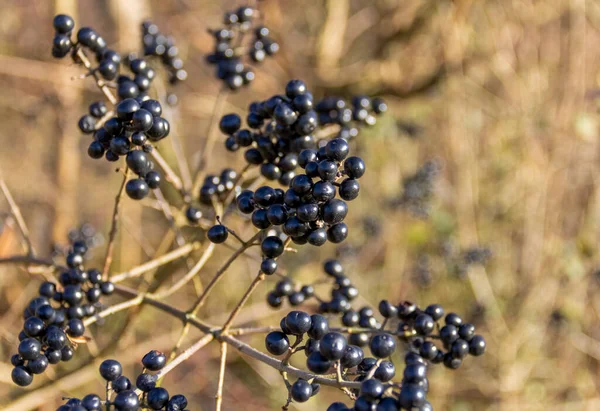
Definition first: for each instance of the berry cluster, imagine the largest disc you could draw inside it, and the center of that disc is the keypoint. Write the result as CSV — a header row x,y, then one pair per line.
x,y
279,128
229,50
121,395
335,110
308,210
296,295
218,186
127,134
419,189
158,45
54,319
87,38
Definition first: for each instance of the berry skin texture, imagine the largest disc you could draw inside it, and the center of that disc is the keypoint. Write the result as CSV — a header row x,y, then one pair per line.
x,y
319,326
63,23
353,356
157,398
137,188
29,349
372,389
154,360
217,234
110,370
21,376
318,363
354,167
477,345
382,345
272,247
333,345
146,382
126,401
298,322
277,343
301,390
230,123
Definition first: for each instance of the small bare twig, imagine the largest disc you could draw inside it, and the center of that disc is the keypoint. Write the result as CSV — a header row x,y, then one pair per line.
x,y
172,177
210,139
155,263
114,227
259,278
219,396
16,212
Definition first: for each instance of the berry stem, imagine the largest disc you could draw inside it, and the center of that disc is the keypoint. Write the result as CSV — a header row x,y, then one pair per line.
x,y
114,227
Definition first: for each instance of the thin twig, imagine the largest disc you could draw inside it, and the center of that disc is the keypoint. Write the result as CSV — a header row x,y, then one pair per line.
x,y
219,396
16,212
99,82
172,177
259,278
211,137
157,262
114,227
190,274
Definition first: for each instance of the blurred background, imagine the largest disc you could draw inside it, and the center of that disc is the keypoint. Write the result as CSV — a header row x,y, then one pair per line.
x,y
482,189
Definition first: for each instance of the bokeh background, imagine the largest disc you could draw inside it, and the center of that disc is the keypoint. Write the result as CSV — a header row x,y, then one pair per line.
x,y
482,190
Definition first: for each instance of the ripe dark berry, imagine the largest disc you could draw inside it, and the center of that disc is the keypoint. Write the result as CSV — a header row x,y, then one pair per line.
x,y
453,319
272,247
353,355
121,384
33,326
349,189
477,345
38,365
382,345
428,350
319,327
337,149
110,370
318,363
435,311
448,334
274,300
137,189
295,88
126,401
29,349
63,23
298,322
459,349
142,120
146,382
152,179
21,376
154,360
91,402
138,162
126,108
277,343
354,167
177,402
337,233
217,234
153,107
466,331
159,130
334,211
98,109
230,123
193,215
61,45
424,324
75,328
284,287
371,389
87,124
268,266
411,396
385,371
387,309
333,345
301,390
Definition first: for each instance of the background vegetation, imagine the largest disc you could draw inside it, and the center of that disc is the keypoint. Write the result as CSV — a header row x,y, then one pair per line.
x,y
499,94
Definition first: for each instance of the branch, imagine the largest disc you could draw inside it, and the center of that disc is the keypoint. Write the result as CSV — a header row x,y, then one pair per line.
x,y
172,177
210,139
114,227
157,262
219,396
16,212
